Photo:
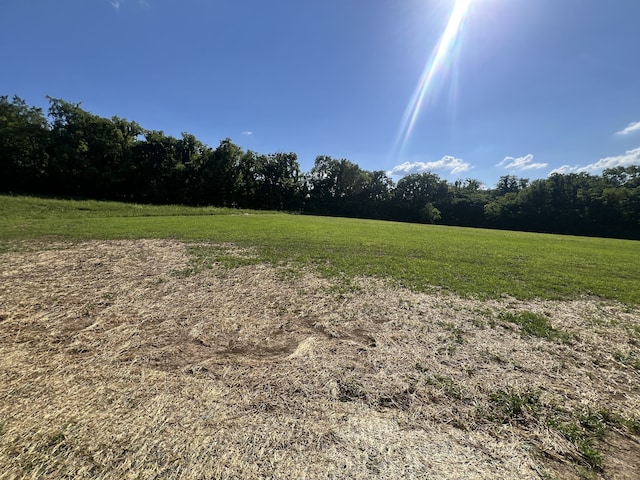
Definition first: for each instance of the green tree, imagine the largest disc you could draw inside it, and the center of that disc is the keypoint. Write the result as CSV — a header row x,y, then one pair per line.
x,y
335,187
91,155
279,182
510,184
377,195
418,197
191,156
467,204
220,173
24,139
119,178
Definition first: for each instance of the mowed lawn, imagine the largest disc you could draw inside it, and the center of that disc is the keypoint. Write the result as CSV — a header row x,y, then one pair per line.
x,y
470,262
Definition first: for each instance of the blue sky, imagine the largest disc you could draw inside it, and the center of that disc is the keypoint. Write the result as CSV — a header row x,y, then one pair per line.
x,y
522,87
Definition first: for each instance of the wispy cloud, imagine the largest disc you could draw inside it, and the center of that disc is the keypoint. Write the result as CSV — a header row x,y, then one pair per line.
x,y
447,163
116,4
631,157
631,128
520,163
247,133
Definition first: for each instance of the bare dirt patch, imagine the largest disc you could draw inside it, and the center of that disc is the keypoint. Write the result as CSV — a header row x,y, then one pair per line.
x,y
113,365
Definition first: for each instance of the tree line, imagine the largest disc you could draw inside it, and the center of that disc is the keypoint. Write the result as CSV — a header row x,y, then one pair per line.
x,y
74,153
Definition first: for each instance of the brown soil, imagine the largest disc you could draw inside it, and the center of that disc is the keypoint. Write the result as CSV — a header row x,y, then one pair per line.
x,y
114,365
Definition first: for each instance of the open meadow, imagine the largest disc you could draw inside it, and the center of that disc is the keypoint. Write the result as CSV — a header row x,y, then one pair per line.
x,y
202,343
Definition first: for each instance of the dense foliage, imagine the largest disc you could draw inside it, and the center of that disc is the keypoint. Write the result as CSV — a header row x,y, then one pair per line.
x,y
71,152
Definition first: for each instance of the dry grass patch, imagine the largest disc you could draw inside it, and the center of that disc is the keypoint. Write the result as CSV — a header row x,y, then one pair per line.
x,y
126,359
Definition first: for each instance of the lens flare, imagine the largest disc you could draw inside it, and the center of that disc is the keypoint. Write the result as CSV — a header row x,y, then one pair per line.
x,y
440,61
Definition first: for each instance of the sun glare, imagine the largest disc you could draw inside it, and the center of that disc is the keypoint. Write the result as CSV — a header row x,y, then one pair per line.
x,y
439,63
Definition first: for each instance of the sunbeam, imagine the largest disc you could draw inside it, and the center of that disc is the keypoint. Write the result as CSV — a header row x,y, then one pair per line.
x,y
439,63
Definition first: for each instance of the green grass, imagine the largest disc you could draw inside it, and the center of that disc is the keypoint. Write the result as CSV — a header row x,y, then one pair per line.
x,y
583,429
467,261
511,404
632,359
536,325
34,208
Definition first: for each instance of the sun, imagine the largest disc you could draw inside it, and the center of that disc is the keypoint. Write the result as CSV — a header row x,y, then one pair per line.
x,y
440,59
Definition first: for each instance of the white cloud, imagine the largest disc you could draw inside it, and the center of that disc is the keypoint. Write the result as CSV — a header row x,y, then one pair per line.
x,y
446,163
116,4
631,157
564,169
248,133
631,128
520,163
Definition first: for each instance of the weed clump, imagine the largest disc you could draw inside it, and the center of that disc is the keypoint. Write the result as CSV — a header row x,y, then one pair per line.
x,y
511,405
582,429
536,325
632,360
446,385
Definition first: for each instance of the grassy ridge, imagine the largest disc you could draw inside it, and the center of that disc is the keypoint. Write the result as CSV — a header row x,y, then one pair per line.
x,y
467,261
31,208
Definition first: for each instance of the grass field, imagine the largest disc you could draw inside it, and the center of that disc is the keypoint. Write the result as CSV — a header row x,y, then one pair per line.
x,y
466,261
173,342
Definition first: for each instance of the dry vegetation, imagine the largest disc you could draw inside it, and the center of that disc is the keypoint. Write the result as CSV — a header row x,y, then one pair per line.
x,y
115,363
